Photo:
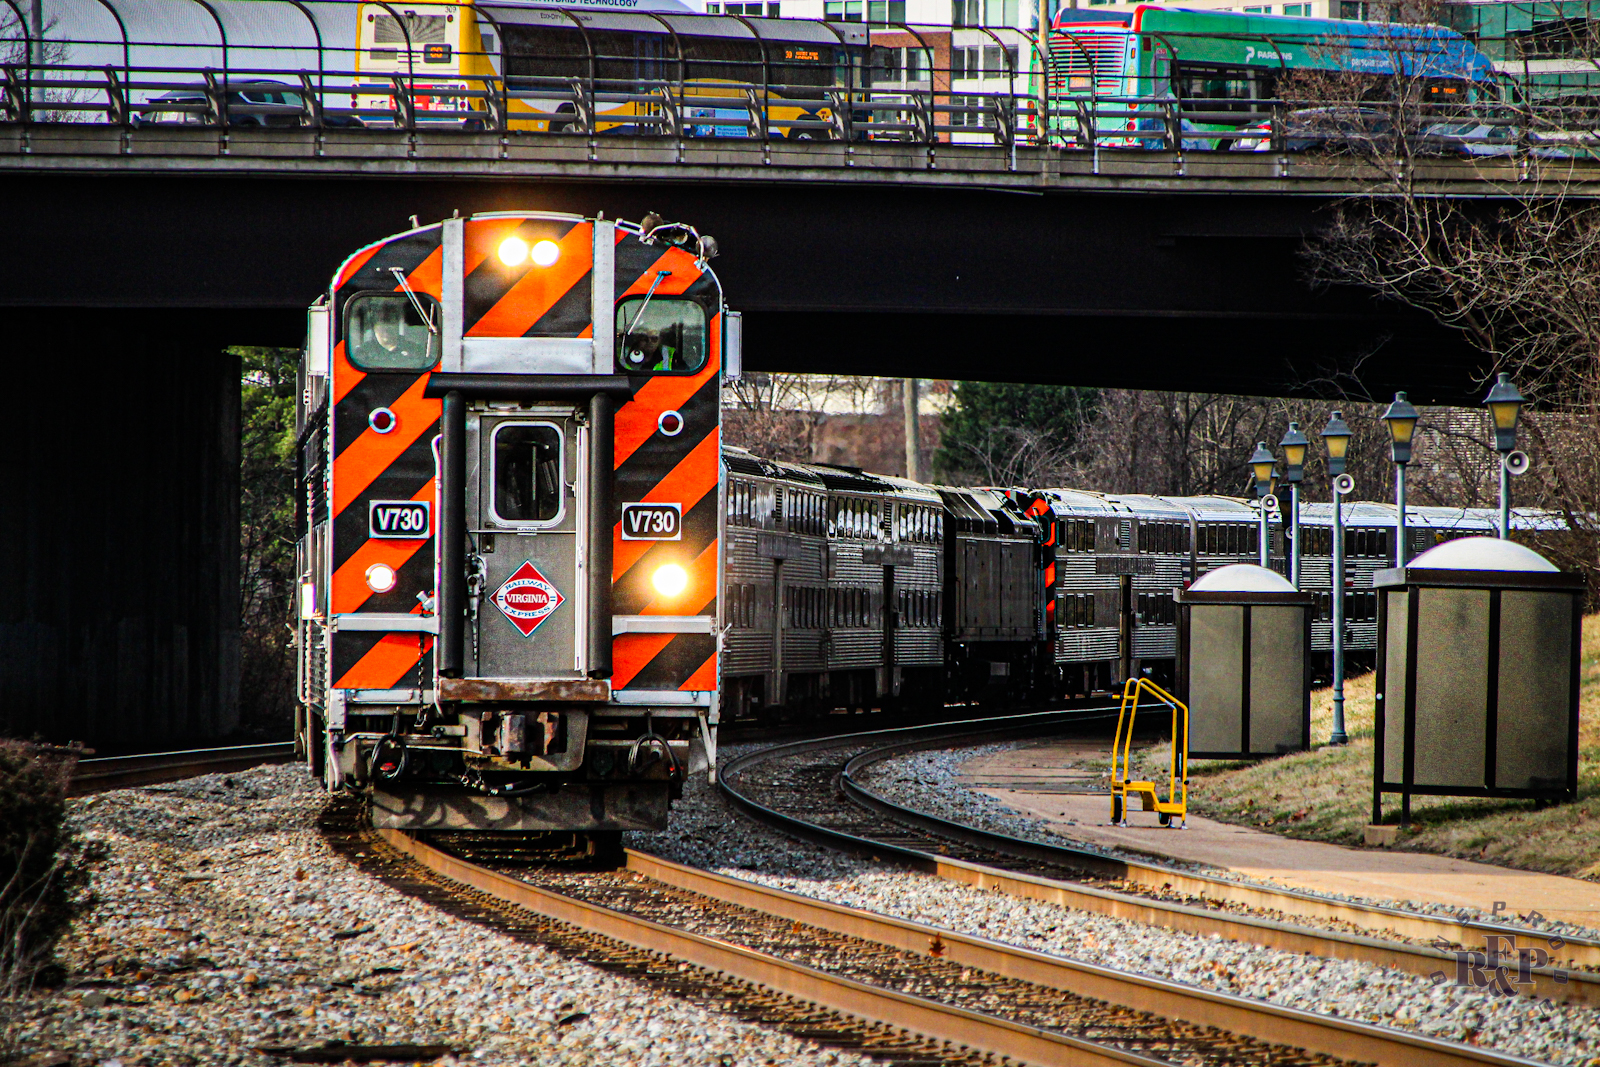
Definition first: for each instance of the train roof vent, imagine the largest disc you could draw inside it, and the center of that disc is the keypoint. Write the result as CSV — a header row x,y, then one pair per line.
x,y
744,464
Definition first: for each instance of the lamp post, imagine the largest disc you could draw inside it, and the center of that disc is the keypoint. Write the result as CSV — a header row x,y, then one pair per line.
x,y
1294,446
1263,461
1402,422
1505,405
1336,435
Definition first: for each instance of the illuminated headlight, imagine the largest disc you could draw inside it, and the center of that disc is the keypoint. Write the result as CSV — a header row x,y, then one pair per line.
x,y
545,253
670,579
514,251
380,578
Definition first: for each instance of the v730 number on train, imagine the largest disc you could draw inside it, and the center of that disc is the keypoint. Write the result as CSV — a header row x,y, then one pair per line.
x,y
652,522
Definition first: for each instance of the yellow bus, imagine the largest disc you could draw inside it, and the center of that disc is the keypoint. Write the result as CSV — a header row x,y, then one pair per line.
x,y
578,70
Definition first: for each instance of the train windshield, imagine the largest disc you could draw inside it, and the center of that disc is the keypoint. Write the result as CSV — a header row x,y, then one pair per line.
x,y
397,332
661,336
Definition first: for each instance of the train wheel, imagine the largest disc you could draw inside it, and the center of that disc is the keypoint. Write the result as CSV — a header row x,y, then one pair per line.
x,y
1116,809
605,848
1164,819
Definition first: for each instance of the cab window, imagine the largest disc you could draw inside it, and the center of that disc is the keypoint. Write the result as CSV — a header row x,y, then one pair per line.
x,y
527,473
660,336
392,332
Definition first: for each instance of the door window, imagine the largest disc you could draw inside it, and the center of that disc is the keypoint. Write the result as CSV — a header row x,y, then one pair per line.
x,y
527,473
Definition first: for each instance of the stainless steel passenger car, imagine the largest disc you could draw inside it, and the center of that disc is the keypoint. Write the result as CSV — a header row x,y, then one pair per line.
x,y
775,592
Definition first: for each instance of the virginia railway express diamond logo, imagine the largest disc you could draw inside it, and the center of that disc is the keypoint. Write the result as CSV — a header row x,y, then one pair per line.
x,y
527,598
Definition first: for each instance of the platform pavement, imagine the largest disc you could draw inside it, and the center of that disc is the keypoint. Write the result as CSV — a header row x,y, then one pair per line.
x,y
1050,781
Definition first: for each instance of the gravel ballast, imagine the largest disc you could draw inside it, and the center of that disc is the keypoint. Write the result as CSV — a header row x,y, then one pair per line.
x,y
225,922
931,782
1560,1034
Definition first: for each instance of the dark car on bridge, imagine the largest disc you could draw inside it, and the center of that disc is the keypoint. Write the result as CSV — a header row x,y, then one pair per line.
x,y
258,103
1321,129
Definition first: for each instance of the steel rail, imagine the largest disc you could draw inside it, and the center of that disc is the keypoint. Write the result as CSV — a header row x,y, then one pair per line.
x,y
122,772
1426,960
1583,987
929,1018
1333,1036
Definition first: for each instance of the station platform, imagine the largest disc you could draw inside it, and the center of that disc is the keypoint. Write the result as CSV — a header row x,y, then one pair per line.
x,y
1063,783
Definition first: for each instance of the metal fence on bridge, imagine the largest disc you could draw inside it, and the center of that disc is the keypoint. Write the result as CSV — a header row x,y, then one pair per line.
x,y
503,69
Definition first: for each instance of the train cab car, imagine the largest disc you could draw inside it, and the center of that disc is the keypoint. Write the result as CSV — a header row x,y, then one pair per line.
x,y
994,598
1087,624
508,541
775,589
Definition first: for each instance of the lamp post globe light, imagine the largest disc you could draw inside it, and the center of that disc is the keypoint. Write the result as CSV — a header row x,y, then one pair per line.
x,y
1401,418
1505,406
1336,435
1294,445
1262,460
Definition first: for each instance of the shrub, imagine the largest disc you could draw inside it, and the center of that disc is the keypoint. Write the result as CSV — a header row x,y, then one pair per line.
x,y
45,866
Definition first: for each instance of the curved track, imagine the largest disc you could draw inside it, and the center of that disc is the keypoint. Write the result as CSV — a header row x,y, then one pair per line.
x,y
811,789
123,772
898,991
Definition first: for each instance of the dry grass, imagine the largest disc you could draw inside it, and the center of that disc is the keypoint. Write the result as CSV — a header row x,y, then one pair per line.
x,y
1326,794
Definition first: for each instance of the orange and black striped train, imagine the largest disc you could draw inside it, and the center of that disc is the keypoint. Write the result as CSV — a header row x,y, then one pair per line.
x,y
508,522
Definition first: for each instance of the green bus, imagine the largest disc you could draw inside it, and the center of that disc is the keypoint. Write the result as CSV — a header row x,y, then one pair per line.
x,y
1115,78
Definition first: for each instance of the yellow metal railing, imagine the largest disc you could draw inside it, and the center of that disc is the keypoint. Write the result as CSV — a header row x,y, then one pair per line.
x,y
1177,802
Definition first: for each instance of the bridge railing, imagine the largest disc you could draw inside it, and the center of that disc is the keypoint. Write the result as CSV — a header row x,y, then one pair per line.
x,y
712,109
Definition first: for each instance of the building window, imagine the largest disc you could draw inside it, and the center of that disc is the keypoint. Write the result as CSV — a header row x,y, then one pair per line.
x,y
1572,38
842,10
886,12
1257,10
965,13
1302,10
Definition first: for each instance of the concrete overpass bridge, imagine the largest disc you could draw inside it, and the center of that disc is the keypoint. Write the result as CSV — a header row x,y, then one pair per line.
x,y
1027,262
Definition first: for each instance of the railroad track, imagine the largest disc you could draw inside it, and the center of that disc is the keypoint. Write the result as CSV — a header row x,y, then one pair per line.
x,y
901,992
811,789
122,772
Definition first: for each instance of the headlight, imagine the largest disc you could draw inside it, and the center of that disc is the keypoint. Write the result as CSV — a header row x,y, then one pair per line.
x,y
380,577
545,253
514,251
670,579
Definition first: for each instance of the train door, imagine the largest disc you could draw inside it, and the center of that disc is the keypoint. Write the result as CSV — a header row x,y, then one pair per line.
x,y
777,693
526,588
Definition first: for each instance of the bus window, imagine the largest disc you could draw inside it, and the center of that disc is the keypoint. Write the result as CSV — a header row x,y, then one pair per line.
x,y
389,332
661,336
1222,88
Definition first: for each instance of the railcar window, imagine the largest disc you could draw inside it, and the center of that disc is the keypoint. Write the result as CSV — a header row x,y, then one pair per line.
x,y
389,332
661,336
527,472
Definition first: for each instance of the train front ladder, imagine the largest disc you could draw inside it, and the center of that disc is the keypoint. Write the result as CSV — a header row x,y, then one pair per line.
x,y
1177,802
